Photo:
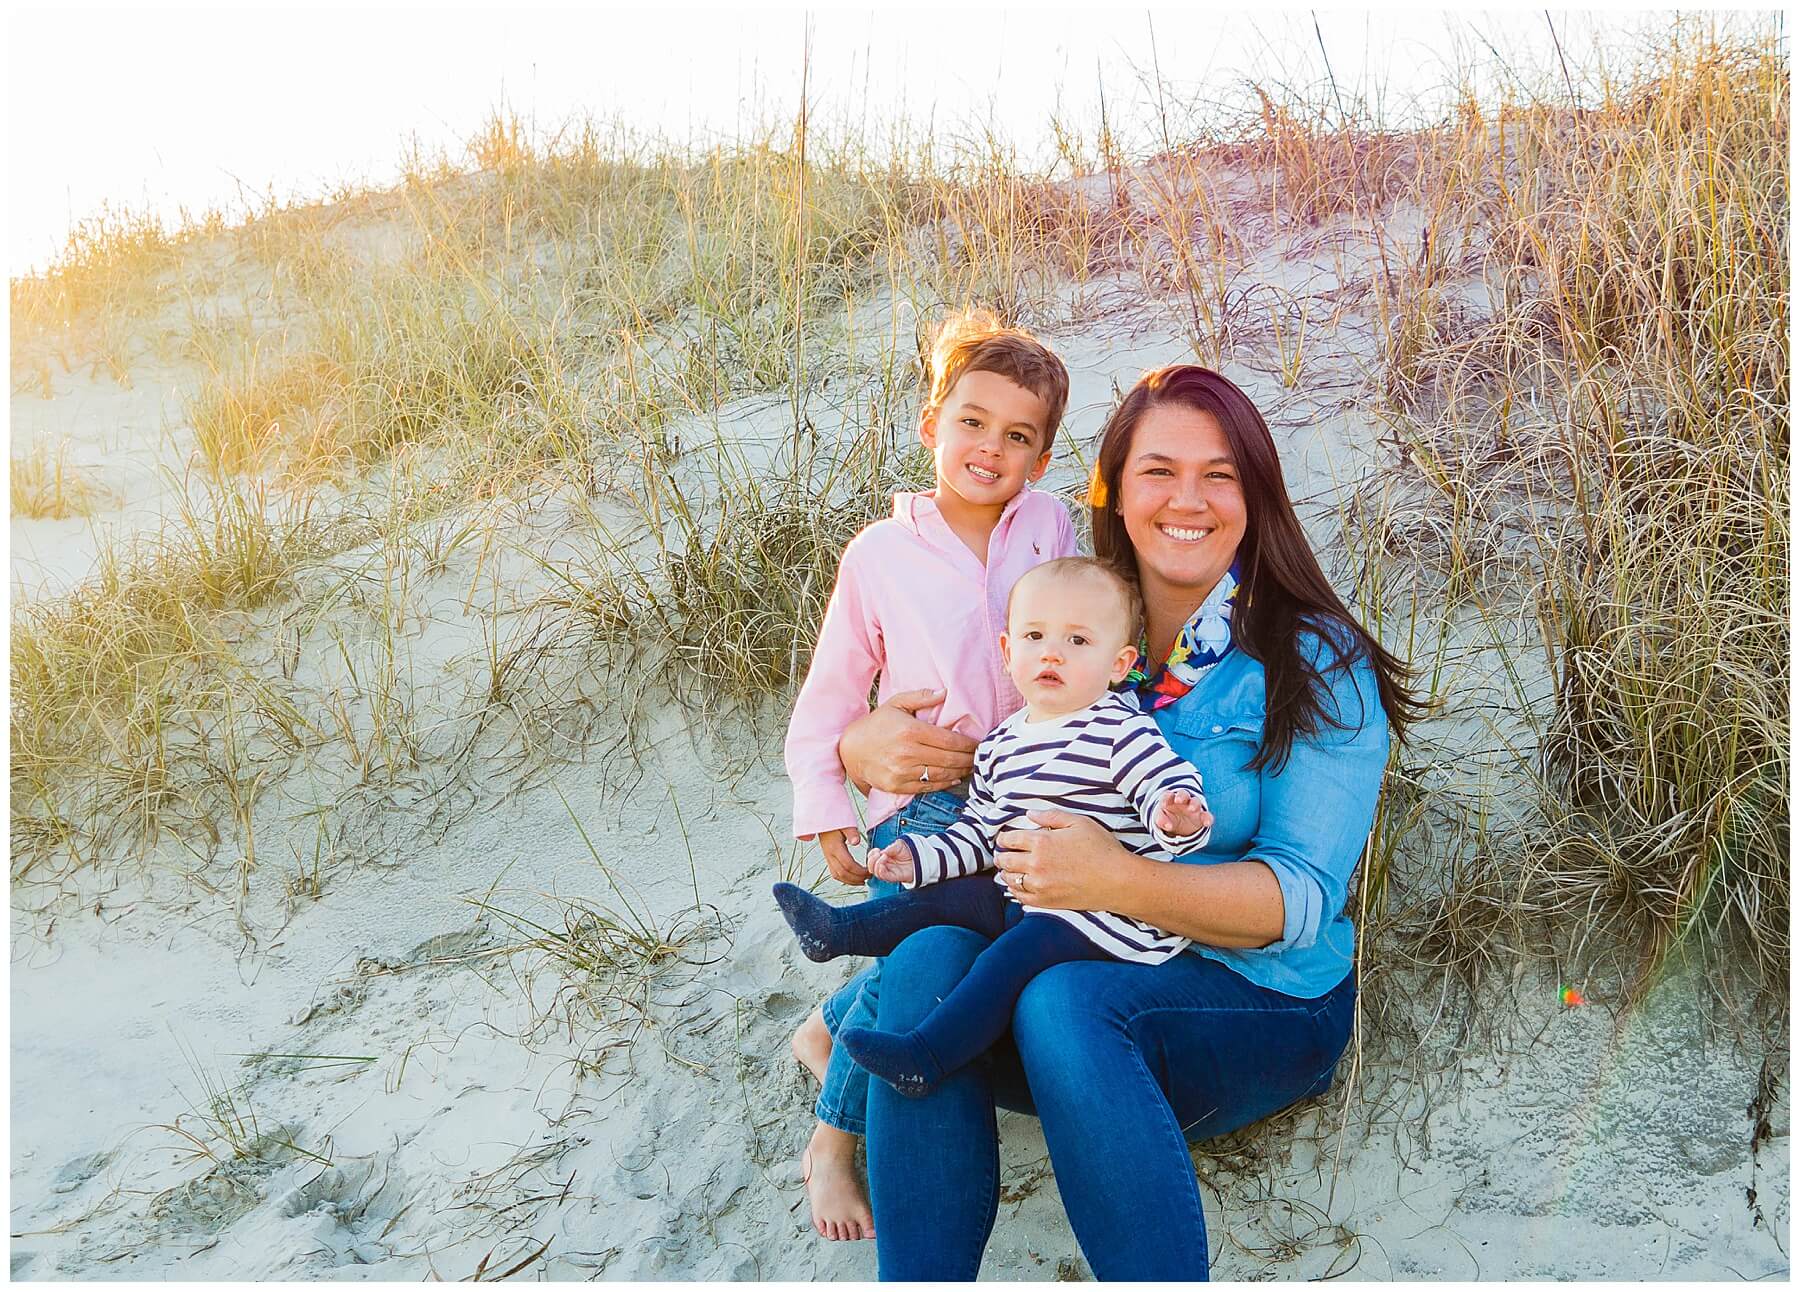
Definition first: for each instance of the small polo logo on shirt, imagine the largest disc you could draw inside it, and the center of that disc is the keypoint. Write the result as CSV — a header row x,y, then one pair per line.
x,y
1035,550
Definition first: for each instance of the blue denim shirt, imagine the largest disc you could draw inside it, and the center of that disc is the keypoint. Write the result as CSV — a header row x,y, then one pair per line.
x,y
1307,822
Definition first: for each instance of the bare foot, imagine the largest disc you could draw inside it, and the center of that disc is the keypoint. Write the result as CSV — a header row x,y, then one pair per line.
x,y
812,1044
840,1207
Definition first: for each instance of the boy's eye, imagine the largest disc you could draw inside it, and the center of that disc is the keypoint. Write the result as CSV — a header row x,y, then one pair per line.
x,y
970,421
1019,437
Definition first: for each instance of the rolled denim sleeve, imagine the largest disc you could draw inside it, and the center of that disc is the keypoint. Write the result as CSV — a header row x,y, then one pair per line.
x,y
1318,807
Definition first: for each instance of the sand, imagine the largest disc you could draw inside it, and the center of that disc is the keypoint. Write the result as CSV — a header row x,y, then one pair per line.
x,y
460,1107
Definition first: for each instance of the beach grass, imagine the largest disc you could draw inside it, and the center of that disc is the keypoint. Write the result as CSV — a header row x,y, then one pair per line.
x,y
1568,308
1608,433
45,487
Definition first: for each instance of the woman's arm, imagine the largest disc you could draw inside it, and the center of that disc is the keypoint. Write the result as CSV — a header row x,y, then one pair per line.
x,y
1076,864
1318,807
888,747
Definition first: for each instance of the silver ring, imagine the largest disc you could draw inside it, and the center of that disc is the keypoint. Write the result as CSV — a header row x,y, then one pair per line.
x,y
925,775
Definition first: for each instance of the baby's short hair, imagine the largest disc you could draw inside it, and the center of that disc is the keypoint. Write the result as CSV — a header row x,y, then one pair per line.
x,y
1131,605
974,341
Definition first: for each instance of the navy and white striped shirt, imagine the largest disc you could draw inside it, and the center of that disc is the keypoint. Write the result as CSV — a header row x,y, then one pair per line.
x,y
1108,761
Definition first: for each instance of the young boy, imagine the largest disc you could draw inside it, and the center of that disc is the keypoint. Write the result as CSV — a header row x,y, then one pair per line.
x,y
1071,633
919,602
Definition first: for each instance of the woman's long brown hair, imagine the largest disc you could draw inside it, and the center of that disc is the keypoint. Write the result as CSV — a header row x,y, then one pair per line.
x,y
1283,591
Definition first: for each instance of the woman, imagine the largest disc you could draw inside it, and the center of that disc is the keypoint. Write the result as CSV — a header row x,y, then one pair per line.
x,y
1261,678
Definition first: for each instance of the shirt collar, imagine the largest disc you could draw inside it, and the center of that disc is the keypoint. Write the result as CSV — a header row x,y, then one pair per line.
x,y
914,507
1205,639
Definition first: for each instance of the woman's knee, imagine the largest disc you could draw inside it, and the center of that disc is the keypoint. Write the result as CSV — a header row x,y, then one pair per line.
x,y
921,971
1064,1023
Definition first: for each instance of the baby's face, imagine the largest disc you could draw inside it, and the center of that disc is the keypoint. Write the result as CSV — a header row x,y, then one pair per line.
x,y
1065,642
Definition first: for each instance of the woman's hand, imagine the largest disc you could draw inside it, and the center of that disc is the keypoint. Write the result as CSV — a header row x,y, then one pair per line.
x,y
889,749
1070,863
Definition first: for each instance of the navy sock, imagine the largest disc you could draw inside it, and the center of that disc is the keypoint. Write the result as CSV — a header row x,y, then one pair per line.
x,y
813,921
878,925
899,1058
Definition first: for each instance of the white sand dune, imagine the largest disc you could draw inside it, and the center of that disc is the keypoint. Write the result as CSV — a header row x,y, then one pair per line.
x,y
383,1079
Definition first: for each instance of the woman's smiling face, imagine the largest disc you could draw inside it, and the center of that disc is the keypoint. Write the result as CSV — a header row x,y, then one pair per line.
x,y
1181,499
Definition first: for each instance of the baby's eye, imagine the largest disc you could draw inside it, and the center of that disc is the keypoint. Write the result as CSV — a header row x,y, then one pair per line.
x,y
1078,639
1032,635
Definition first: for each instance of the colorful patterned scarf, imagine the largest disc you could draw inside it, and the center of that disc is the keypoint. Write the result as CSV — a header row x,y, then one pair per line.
x,y
1203,641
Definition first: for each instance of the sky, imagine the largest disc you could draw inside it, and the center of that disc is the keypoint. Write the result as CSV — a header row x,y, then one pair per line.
x,y
161,109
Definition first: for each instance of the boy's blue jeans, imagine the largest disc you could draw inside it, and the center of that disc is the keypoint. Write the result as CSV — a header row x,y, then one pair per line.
x,y
844,1094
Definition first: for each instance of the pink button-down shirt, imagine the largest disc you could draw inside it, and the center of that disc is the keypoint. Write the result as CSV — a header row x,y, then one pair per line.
x,y
914,605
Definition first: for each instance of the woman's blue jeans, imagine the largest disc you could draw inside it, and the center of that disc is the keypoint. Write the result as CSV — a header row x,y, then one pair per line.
x,y
1124,1064
843,1095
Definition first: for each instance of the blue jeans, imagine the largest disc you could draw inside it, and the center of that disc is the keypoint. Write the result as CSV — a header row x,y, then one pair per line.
x,y
843,1095
1123,1064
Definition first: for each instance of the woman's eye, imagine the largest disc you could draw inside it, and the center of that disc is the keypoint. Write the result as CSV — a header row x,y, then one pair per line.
x,y
970,421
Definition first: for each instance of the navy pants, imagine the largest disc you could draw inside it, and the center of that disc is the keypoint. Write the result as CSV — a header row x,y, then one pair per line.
x,y
978,1011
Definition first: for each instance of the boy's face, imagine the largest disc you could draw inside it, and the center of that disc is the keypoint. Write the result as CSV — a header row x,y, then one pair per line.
x,y
987,438
1065,642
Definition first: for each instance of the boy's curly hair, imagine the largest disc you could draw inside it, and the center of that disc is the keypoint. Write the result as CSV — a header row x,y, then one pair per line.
x,y
974,341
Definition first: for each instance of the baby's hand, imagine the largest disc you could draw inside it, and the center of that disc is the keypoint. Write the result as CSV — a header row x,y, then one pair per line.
x,y
893,863
1182,814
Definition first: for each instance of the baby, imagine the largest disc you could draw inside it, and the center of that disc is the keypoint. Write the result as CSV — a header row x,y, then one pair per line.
x,y
1076,746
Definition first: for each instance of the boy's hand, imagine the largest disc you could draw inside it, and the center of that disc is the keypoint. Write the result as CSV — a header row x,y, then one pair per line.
x,y
836,845
893,863
1182,814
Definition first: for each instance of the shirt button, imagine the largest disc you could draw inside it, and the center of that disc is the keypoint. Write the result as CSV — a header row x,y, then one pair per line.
x,y
1217,728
